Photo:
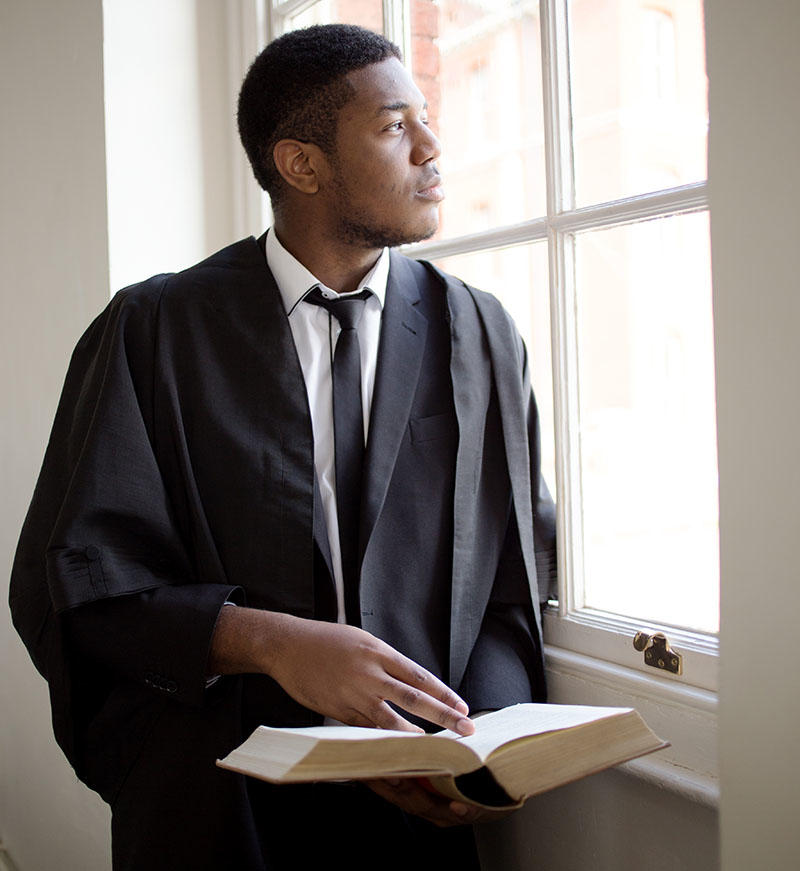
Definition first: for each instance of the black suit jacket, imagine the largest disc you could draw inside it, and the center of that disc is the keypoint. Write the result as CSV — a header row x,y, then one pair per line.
x,y
180,474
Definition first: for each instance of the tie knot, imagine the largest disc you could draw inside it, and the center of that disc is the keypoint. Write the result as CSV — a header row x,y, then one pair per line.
x,y
346,309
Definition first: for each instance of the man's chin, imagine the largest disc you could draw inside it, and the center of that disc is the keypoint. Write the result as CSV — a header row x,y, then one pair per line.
x,y
372,237
425,233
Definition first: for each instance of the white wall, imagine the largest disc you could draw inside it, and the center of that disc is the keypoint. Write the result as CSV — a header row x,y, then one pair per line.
x,y
53,247
169,174
754,63
608,822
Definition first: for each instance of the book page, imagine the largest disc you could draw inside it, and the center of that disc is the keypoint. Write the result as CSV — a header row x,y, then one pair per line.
x,y
295,755
521,721
344,733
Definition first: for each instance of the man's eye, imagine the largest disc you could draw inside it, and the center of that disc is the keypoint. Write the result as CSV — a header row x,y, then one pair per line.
x,y
397,125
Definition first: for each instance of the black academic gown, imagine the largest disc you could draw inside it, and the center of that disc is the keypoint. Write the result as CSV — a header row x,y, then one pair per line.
x,y
180,475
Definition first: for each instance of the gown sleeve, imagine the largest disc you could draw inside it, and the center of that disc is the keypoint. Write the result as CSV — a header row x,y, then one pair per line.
x,y
102,571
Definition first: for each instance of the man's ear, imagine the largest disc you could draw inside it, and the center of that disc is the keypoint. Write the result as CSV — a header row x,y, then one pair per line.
x,y
299,163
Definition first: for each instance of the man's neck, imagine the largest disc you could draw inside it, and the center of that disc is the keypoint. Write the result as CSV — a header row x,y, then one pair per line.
x,y
337,265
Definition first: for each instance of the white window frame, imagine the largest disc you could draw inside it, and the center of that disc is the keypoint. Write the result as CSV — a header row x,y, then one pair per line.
x,y
589,654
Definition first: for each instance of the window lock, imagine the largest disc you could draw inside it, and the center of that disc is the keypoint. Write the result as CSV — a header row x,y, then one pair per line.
x,y
658,653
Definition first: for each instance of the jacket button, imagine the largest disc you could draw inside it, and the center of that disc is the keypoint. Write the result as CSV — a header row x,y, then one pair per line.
x,y
92,552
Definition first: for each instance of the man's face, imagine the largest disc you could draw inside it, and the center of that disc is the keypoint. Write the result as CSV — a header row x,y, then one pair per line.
x,y
384,187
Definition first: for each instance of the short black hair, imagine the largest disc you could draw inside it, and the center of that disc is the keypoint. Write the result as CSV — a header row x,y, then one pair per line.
x,y
295,88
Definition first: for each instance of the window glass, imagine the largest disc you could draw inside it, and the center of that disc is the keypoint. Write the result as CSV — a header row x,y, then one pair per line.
x,y
639,96
644,437
478,62
367,13
647,421
518,278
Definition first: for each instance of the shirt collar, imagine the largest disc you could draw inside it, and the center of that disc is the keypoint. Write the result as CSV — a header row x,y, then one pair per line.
x,y
294,280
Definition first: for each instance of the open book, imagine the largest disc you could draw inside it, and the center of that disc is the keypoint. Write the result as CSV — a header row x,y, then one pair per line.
x,y
514,753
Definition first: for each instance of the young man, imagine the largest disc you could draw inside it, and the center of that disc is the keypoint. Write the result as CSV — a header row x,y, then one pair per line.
x,y
270,497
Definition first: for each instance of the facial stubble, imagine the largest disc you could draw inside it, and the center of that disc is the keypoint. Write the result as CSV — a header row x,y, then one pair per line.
x,y
355,228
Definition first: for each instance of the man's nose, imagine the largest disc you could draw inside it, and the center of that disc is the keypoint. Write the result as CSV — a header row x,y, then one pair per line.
x,y
427,146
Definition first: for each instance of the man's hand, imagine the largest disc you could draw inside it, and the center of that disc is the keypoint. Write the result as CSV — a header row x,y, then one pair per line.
x,y
413,798
339,671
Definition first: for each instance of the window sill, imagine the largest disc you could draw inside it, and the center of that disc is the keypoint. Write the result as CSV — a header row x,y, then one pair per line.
x,y
604,637
695,787
684,715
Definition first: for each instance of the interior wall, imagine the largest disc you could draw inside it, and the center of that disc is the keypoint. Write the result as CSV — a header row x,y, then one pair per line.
x,y
53,247
609,822
754,178
170,197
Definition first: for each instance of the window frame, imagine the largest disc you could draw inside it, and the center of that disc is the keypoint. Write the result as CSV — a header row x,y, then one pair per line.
x,y
589,654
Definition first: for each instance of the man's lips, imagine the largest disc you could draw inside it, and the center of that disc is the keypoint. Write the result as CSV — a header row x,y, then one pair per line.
x,y
433,191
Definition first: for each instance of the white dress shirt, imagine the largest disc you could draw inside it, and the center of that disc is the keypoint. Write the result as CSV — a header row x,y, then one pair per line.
x,y
315,332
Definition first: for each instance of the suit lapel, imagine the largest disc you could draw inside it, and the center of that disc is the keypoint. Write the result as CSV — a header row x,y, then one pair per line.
x,y
400,352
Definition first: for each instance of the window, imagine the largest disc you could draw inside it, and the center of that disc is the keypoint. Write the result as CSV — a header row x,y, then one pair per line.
x,y
574,164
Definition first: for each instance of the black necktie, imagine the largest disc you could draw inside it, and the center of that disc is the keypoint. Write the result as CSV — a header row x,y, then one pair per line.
x,y
348,435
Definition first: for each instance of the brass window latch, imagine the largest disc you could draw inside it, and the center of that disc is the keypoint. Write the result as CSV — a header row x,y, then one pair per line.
x,y
658,653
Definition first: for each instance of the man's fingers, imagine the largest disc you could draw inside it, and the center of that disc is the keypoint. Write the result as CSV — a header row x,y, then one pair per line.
x,y
383,717
413,800
419,692
416,676
350,675
407,794
420,703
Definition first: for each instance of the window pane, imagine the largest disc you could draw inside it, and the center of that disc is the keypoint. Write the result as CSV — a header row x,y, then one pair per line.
x,y
478,63
647,421
518,278
367,13
639,96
